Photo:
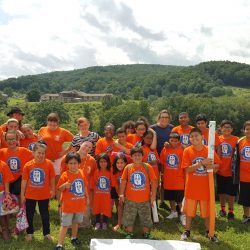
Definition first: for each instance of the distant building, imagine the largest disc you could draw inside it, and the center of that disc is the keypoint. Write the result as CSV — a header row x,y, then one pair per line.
x,y
73,96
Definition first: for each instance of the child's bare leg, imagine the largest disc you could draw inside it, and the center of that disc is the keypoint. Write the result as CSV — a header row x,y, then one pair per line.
x,y
74,230
246,211
130,229
206,220
120,212
188,223
172,205
145,230
62,234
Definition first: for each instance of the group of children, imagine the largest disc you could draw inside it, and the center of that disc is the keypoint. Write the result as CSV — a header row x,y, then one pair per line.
x,y
128,171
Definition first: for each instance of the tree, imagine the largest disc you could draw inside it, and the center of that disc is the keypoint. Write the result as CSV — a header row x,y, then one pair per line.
x,y
33,95
42,110
217,91
8,91
110,101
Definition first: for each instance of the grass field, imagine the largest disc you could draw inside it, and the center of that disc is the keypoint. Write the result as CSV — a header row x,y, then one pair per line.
x,y
233,235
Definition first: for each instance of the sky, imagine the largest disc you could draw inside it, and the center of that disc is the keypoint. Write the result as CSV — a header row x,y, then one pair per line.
x,y
38,36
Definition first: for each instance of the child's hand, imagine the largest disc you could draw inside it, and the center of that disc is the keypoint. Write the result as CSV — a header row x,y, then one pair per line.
x,y
152,200
87,200
22,200
67,185
207,162
166,144
52,194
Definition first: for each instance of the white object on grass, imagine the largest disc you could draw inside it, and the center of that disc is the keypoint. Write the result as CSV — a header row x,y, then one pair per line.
x,y
155,213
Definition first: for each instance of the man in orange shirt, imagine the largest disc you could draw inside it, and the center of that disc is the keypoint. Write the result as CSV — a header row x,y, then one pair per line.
x,y
55,136
195,163
173,177
225,187
183,129
135,185
244,149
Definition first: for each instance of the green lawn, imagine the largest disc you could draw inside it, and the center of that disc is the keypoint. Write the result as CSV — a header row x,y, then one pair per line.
x,y
233,235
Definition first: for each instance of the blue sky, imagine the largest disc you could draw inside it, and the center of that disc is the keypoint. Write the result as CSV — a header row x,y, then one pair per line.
x,y
39,36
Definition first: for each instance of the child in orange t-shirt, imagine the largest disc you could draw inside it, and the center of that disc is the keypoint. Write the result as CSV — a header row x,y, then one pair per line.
x,y
30,138
195,163
38,186
136,139
101,184
105,145
5,178
173,177
183,129
16,157
74,187
225,187
135,186
119,164
244,149
150,155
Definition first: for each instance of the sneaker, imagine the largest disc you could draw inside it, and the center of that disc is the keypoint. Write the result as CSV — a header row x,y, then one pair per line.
x,y
245,219
222,213
129,236
59,248
172,215
214,239
185,235
97,226
183,219
230,216
104,226
165,206
76,242
48,237
147,236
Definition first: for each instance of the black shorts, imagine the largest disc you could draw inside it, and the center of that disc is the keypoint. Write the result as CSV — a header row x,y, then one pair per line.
x,y
225,185
114,194
15,187
244,197
173,195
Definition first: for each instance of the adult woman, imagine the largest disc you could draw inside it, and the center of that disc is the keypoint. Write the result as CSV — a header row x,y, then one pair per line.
x,y
55,137
85,135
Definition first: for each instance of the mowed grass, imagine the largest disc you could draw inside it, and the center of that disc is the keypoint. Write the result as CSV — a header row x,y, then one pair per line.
x,y
233,235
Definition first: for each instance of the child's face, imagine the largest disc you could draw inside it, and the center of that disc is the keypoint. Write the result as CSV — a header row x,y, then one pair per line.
x,y
202,125
137,157
86,147
109,132
28,132
247,132
17,116
121,137
148,139
11,141
52,125
195,138
130,130
183,119
120,164
140,130
174,142
103,164
12,126
73,165
226,129
39,154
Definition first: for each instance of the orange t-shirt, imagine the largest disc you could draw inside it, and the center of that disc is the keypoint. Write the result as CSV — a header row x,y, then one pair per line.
x,y
73,199
16,159
244,149
197,183
116,179
55,140
205,134
88,165
173,176
102,183
227,146
5,175
151,156
184,134
38,176
103,145
135,140
138,182
117,150
29,142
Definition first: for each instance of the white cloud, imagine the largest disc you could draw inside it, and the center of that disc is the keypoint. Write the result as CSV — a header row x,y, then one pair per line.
x,y
41,36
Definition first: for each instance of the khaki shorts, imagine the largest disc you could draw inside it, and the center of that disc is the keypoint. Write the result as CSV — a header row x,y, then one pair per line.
x,y
132,208
190,208
69,218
